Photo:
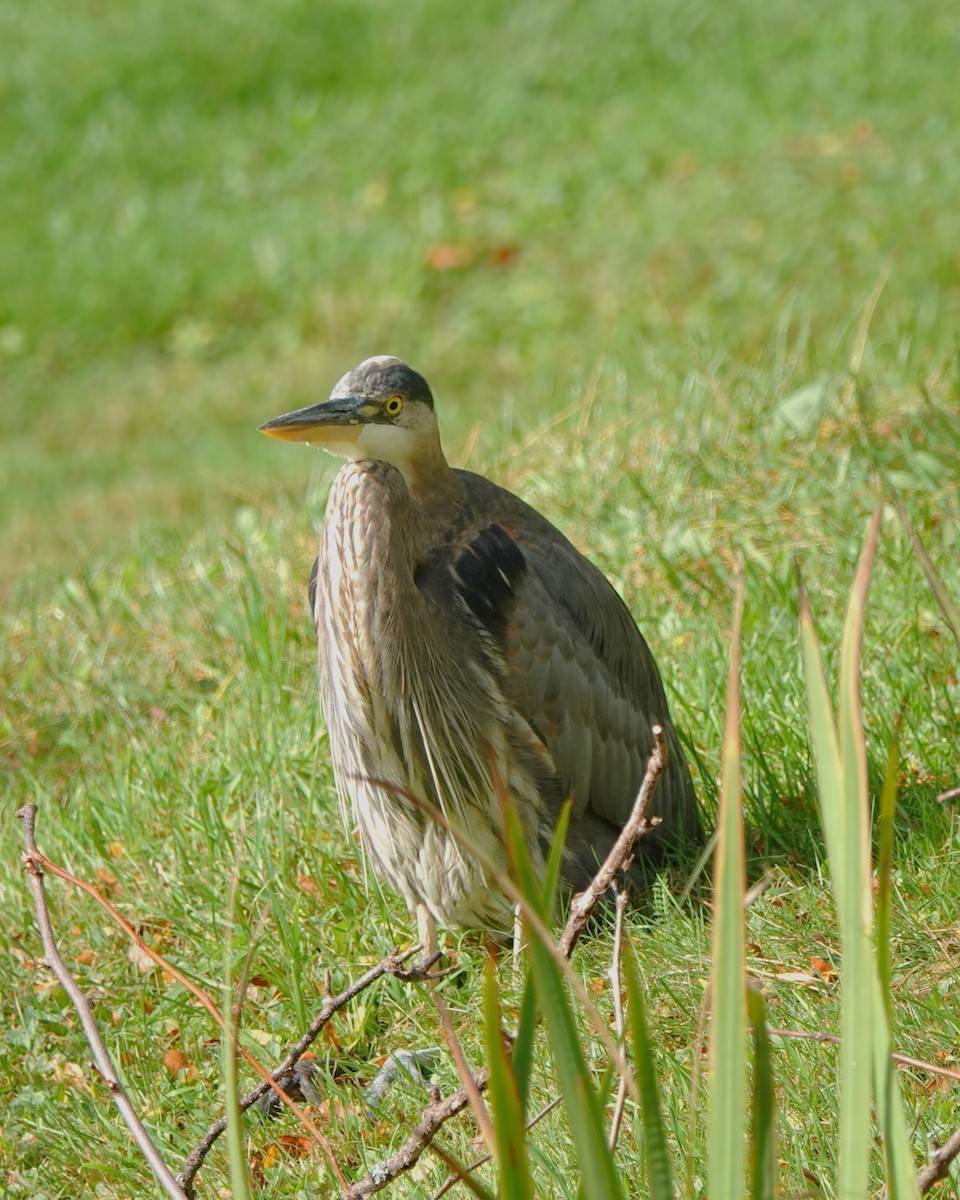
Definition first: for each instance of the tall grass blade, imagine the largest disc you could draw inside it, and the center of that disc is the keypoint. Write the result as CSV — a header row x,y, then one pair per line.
x,y
587,1125
947,604
656,1156
885,837
900,1170
239,1180
856,917
522,1057
510,1135
594,1158
841,767
764,1181
728,1031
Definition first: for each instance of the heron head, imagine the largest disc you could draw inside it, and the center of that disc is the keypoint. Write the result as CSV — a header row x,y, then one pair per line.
x,y
382,409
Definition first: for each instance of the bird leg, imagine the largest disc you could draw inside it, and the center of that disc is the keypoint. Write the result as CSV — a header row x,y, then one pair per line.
x,y
427,932
517,965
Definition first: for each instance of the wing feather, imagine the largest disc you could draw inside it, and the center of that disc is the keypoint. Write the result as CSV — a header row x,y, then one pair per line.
x,y
579,670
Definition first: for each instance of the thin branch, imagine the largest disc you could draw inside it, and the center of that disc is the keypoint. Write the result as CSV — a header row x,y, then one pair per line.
x,y
437,1113
40,862
463,1070
538,927
391,964
452,1180
583,905
102,1061
939,1164
904,1060
948,795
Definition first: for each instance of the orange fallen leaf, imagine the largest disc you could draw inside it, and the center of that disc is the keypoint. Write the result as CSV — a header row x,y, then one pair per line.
x,y
84,958
106,882
449,256
176,1061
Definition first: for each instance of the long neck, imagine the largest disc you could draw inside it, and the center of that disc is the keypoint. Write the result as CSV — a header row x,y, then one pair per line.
x,y
435,494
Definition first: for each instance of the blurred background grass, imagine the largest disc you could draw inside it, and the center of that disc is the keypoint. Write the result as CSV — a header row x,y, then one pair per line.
x,y
683,276
207,215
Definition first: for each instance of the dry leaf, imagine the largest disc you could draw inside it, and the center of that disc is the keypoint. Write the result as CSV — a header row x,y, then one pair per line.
x,y
107,883
176,1061
449,256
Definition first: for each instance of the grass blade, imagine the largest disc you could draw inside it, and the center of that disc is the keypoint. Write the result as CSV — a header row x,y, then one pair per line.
x,y
656,1157
728,1036
510,1140
947,604
764,1182
596,1162
885,837
856,914
900,1171
594,1158
841,768
823,737
522,1057
899,1165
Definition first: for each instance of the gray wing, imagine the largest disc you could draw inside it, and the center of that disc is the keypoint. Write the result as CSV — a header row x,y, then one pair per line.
x,y
578,669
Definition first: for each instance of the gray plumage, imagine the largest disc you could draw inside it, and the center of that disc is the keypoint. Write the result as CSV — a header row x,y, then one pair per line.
x,y
462,638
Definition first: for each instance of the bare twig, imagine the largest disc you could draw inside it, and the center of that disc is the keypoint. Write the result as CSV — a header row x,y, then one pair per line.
x,y
40,862
903,1060
463,1070
537,926
939,1164
392,964
753,894
453,1180
37,863
583,905
103,1064
948,795
437,1113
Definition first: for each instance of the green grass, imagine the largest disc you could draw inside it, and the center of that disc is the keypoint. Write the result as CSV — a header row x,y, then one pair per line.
x,y
205,218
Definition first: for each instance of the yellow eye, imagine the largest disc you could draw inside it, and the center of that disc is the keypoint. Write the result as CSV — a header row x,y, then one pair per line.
x,y
393,406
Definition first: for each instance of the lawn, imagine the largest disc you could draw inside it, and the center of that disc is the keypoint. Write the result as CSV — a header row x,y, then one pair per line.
x,y
685,277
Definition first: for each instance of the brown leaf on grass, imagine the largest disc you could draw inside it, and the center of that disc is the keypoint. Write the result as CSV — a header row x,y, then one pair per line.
x,y
107,883
176,1062
289,1145
449,256
826,969
70,1073
116,850
310,886
505,255
85,958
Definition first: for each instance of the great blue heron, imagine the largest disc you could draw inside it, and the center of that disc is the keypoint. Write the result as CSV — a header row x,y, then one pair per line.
x,y
464,641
